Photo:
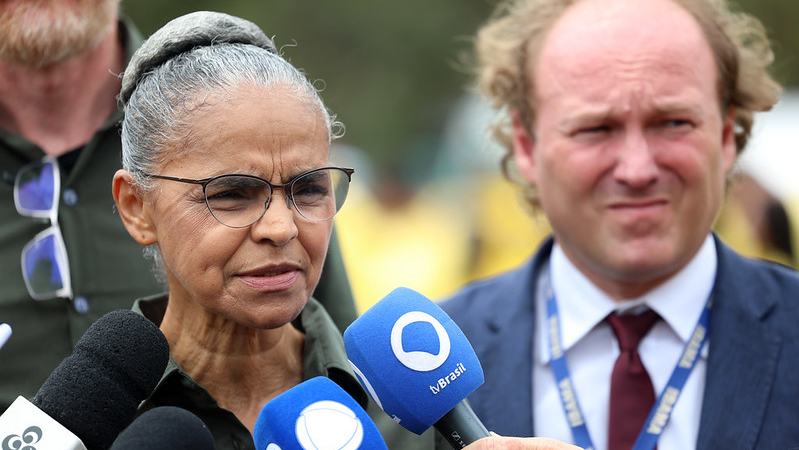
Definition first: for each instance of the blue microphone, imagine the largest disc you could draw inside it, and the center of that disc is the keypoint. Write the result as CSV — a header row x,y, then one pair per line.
x,y
315,414
417,365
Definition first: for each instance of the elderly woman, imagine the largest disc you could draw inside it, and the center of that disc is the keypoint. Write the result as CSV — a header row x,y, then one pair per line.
x,y
226,179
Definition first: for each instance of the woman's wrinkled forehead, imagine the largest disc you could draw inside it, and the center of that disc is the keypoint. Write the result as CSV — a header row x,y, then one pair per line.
x,y
263,131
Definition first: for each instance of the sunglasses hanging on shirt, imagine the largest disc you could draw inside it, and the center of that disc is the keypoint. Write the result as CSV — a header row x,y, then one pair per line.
x,y
45,267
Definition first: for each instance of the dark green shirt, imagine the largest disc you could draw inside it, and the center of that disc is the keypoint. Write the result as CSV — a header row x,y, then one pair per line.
x,y
106,264
324,355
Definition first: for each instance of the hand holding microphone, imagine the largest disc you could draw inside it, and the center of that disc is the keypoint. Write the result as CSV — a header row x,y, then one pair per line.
x,y
417,365
315,414
532,443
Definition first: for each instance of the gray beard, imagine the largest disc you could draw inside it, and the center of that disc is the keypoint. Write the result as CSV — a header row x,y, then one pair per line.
x,y
42,33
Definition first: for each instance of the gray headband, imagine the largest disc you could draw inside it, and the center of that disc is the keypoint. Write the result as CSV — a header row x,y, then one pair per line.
x,y
180,35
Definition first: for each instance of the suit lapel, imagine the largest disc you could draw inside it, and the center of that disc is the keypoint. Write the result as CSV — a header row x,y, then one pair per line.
x,y
507,355
741,364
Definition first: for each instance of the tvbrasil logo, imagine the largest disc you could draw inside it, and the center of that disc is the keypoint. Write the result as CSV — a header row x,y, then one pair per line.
x,y
420,361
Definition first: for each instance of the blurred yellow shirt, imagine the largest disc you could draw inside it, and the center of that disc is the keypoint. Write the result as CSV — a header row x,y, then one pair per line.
x,y
422,245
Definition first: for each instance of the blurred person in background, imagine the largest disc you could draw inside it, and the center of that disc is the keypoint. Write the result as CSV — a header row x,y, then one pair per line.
x,y
624,136
503,230
755,222
59,149
401,233
759,215
433,224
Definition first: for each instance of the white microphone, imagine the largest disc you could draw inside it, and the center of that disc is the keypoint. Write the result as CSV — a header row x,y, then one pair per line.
x,y
5,333
18,431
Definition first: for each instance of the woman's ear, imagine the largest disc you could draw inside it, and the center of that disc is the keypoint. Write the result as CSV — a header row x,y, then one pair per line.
x,y
131,208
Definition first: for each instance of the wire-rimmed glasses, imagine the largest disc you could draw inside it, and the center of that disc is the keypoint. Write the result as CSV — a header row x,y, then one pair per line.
x,y
45,266
238,201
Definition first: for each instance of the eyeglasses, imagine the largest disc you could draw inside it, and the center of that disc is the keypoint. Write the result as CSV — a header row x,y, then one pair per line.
x,y
238,201
45,267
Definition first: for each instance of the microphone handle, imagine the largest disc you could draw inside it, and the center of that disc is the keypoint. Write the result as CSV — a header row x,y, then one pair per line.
x,y
461,426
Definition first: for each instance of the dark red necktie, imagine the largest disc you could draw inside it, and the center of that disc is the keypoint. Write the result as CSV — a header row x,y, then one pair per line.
x,y
631,392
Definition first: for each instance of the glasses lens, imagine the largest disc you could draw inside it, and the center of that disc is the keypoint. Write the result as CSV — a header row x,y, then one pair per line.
x,y
237,201
319,195
36,188
45,267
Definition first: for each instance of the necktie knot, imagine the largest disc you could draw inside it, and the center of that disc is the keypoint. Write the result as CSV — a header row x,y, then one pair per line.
x,y
631,328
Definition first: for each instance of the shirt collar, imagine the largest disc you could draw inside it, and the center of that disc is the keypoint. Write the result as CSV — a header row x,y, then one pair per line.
x,y
582,305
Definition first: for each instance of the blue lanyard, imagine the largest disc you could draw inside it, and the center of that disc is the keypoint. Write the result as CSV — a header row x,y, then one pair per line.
x,y
661,411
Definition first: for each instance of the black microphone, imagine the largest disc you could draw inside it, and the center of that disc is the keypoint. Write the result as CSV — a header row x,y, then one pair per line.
x,y
94,393
166,428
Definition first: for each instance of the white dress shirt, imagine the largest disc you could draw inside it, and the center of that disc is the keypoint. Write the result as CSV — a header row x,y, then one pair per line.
x,y
591,348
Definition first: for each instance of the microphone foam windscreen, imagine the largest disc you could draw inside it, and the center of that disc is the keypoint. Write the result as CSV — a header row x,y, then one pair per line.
x,y
166,428
412,359
96,390
315,414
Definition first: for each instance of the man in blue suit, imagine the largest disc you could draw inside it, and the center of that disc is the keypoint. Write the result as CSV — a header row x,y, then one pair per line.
x,y
633,326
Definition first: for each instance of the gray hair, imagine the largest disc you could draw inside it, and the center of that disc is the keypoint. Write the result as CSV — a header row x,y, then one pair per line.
x,y
191,61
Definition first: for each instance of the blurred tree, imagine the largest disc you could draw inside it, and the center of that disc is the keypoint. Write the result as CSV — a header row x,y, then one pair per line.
x,y
780,18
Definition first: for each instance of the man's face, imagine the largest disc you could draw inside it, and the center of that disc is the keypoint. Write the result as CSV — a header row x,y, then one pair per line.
x,y
630,149
39,33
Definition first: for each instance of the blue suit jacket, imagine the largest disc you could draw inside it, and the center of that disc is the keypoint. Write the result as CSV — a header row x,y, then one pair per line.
x,y
751,398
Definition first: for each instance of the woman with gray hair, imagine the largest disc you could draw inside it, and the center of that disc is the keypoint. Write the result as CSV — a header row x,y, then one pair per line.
x,y
226,178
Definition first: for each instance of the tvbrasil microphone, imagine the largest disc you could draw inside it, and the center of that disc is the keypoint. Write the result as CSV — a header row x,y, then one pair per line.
x,y
94,393
315,414
165,428
417,365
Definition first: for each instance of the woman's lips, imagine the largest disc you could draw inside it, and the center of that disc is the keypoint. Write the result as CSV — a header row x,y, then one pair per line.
x,y
271,279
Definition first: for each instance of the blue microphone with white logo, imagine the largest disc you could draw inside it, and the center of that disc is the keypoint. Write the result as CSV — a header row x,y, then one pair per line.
x,y
315,414
417,365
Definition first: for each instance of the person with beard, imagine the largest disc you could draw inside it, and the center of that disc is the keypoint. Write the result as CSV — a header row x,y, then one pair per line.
x,y
66,258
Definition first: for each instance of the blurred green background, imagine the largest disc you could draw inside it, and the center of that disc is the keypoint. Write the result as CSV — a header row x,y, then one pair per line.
x,y
390,68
